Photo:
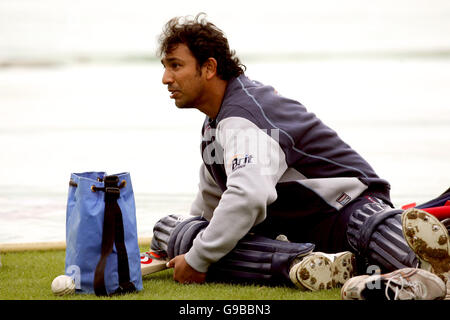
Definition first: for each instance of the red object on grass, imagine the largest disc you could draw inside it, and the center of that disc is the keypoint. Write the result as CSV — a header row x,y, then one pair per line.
x,y
441,213
409,205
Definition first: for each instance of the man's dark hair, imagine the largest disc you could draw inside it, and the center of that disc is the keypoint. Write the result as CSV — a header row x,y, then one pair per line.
x,y
204,40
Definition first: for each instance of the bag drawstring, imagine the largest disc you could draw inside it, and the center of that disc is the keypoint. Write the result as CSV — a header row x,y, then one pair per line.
x,y
94,188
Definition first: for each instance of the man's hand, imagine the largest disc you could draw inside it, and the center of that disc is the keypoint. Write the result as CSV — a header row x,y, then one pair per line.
x,y
183,272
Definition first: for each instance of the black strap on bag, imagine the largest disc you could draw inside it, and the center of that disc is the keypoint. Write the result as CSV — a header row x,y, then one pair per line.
x,y
113,233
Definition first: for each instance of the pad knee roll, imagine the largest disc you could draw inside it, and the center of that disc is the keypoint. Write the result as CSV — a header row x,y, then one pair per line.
x,y
183,235
162,231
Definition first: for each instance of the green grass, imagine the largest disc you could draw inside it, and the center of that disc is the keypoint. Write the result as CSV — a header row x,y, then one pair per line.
x,y
28,276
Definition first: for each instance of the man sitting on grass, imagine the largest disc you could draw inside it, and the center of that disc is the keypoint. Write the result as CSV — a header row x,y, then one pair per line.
x,y
270,168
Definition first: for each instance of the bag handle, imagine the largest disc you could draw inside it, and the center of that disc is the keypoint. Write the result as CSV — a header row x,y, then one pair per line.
x,y
113,232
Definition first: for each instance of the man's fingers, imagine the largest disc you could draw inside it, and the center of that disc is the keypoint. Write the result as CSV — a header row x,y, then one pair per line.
x,y
171,263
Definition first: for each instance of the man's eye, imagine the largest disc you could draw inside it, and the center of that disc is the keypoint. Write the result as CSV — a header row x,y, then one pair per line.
x,y
174,65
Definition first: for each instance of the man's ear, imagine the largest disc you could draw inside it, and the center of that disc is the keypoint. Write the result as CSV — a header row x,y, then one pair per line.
x,y
210,67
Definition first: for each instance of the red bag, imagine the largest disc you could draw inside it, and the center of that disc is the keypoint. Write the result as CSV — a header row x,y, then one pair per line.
x,y
439,207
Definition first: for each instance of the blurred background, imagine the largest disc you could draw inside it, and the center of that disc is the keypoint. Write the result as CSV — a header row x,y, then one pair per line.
x,y
80,90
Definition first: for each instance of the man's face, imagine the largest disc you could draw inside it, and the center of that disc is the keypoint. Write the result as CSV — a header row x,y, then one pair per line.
x,y
182,76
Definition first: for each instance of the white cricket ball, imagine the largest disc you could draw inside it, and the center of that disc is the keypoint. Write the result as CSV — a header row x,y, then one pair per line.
x,y
63,285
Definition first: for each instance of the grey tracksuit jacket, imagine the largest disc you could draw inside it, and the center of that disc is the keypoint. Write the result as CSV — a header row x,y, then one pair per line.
x,y
265,154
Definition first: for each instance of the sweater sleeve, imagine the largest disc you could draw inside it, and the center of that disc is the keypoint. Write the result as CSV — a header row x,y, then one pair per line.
x,y
208,195
254,162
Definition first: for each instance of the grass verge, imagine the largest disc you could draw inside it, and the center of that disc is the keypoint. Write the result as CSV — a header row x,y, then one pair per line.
x,y
28,275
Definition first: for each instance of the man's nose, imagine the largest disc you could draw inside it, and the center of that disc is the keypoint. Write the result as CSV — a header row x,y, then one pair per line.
x,y
167,77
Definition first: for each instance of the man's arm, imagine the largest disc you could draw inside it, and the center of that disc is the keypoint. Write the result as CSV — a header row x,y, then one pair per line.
x,y
254,162
208,195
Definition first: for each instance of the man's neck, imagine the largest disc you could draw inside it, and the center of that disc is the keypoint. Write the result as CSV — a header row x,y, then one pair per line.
x,y
213,98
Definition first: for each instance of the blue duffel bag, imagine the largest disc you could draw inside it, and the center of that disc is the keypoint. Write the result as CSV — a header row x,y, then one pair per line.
x,y
102,252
